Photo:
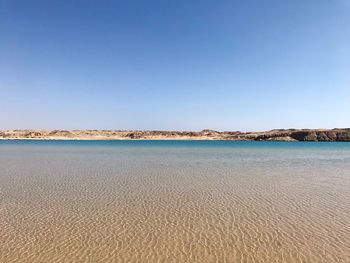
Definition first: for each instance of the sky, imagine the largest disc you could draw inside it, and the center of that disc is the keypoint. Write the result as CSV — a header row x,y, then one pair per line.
x,y
174,65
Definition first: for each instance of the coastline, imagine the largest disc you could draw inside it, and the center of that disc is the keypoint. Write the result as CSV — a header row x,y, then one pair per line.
x,y
273,135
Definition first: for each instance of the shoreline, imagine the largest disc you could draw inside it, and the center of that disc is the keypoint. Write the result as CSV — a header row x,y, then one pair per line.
x,y
290,135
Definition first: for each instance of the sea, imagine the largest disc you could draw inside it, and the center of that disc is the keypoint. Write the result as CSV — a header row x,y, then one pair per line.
x,y
174,201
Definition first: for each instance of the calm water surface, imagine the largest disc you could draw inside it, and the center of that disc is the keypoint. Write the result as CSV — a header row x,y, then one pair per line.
x,y
174,201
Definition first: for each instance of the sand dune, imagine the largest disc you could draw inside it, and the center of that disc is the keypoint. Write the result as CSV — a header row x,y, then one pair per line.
x,y
273,135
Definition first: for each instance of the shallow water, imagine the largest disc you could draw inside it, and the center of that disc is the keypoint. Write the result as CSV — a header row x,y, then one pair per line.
x,y
141,201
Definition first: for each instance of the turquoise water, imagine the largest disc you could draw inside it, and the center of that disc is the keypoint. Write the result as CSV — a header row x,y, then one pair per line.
x,y
181,143
174,201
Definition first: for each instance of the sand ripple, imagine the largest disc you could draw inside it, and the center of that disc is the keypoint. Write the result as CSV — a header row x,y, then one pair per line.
x,y
114,204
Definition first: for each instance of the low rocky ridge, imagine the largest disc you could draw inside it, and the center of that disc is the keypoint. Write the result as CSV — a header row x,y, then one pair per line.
x,y
273,135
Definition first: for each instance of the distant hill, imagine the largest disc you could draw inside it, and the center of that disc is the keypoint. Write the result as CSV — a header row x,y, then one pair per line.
x,y
273,135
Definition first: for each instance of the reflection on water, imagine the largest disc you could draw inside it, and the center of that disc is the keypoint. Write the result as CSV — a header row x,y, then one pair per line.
x,y
174,202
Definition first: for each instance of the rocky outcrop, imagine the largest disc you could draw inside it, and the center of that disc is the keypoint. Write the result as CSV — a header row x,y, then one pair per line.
x,y
322,135
273,135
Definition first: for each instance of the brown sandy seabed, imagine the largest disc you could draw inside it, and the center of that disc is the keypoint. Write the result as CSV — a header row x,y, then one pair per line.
x,y
113,206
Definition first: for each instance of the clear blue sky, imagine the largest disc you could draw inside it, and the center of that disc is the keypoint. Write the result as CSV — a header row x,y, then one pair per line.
x,y
178,65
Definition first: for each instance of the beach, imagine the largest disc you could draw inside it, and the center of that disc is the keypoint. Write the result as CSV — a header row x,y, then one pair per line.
x,y
292,135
